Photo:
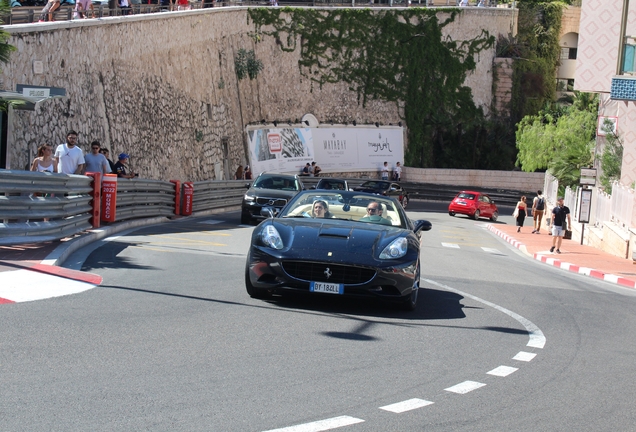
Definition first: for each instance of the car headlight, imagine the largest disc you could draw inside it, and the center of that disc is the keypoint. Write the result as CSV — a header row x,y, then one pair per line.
x,y
397,249
248,198
271,237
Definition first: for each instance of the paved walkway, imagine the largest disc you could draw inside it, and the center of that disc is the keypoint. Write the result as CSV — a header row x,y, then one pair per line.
x,y
574,257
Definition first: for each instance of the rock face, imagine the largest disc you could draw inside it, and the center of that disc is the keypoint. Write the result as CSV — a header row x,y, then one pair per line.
x,y
162,88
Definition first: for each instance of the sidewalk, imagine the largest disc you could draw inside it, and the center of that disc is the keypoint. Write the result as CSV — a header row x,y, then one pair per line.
x,y
574,257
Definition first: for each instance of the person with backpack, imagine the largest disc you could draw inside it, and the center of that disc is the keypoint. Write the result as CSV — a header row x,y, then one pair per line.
x,y
538,207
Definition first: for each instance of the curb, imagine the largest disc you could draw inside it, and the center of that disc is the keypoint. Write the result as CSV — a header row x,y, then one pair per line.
x,y
596,274
62,252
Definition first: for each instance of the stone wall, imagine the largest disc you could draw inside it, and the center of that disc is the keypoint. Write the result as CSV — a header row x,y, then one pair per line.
x,y
510,180
162,88
503,84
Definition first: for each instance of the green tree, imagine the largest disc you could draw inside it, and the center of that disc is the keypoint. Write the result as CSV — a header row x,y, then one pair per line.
x,y
560,139
399,56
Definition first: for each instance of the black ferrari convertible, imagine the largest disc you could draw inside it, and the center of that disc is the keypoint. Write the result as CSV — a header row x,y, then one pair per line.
x,y
338,243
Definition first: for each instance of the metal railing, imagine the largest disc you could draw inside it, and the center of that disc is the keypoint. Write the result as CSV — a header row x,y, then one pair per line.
x,y
31,14
141,198
37,207
212,194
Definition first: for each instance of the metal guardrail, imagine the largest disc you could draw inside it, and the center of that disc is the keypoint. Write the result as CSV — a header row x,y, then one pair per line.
x,y
138,198
212,194
30,14
37,207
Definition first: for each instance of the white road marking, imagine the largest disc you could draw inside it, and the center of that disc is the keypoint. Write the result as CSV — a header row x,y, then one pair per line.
x,y
321,425
451,245
211,221
491,250
465,387
28,285
537,339
502,371
406,405
524,356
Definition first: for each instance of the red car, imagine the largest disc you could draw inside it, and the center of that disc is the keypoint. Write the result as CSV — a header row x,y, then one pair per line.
x,y
473,204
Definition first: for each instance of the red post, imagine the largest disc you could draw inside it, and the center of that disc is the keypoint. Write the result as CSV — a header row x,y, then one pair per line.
x,y
188,196
177,196
109,197
96,194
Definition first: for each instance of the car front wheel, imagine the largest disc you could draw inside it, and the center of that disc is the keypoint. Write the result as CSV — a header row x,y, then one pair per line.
x,y
494,217
476,215
410,302
245,219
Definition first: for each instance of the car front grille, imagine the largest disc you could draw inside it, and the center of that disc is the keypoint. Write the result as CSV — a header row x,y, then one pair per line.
x,y
317,272
275,202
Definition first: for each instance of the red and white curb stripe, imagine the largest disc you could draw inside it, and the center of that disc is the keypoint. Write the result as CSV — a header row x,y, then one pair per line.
x,y
597,274
43,281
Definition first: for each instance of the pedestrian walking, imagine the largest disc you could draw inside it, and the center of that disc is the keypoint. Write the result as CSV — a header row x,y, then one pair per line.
x,y
384,171
561,221
68,157
538,207
95,161
44,161
520,213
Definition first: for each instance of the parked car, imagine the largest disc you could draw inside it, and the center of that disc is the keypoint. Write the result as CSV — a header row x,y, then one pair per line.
x,y
268,190
360,245
386,188
474,204
332,184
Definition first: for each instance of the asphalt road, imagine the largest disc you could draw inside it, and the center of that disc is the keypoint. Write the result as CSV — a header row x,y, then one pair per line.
x,y
171,341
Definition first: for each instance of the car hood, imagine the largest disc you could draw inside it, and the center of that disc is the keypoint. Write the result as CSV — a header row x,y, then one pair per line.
x,y
339,241
271,193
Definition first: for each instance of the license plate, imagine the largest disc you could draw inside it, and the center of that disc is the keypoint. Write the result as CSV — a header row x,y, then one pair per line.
x,y
329,288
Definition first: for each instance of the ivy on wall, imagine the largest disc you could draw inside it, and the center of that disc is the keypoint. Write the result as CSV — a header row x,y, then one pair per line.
x,y
246,64
399,56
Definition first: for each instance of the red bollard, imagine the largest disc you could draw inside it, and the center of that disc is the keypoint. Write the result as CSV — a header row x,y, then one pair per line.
x,y
177,196
109,197
96,194
188,196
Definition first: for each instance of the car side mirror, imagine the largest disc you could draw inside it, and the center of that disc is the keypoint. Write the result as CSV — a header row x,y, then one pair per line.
x,y
422,225
247,185
313,187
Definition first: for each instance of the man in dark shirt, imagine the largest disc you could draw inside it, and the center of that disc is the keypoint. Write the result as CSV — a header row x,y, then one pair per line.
x,y
561,221
120,167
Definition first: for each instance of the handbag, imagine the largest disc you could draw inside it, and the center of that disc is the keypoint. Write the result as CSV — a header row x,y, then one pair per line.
x,y
567,235
515,214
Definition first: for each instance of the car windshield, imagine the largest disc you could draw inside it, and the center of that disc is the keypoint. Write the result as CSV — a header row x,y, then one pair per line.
x,y
375,185
331,184
274,182
348,206
467,196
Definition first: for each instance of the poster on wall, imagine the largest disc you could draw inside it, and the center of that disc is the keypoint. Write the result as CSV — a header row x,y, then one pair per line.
x,y
280,149
334,149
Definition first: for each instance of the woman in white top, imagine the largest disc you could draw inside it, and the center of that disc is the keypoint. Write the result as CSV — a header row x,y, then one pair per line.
x,y
44,162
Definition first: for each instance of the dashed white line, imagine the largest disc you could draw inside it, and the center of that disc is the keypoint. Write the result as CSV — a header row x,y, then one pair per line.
x,y
524,356
211,221
406,405
321,425
502,371
451,245
465,387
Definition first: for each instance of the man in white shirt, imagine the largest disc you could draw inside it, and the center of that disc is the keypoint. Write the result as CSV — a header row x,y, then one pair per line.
x,y
96,161
384,171
68,157
397,172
